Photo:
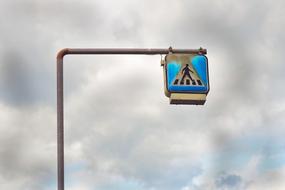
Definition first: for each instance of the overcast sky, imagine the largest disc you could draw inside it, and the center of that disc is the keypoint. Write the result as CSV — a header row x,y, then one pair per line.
x,y
121,132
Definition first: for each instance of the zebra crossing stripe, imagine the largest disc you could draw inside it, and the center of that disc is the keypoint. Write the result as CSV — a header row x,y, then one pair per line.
x,y
188,83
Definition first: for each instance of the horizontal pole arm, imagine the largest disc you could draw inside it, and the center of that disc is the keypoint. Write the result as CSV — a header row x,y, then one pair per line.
x,y
84,51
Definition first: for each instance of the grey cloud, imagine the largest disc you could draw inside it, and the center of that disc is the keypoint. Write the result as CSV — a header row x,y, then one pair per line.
x,y
128,29
229,182
28,57
27,155
16,80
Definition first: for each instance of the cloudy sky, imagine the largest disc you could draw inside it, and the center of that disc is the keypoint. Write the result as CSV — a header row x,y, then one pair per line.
x,y
121,132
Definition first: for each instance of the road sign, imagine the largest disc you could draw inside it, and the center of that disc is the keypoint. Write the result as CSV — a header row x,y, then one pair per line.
x,y
186,79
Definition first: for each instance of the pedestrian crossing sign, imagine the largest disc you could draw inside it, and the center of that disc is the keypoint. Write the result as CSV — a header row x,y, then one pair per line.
x,y
186,78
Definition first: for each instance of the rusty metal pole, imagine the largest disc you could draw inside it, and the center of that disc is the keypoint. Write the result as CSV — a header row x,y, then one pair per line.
x,y
81,51
60,123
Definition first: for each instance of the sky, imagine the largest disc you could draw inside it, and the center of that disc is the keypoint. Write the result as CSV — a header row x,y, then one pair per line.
x,y
120,131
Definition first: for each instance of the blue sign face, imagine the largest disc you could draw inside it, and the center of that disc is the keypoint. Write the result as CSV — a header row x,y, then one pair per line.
x,y
187,74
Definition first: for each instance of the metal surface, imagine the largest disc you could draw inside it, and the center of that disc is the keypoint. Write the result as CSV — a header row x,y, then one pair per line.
x,y
187,99
83,51
60,124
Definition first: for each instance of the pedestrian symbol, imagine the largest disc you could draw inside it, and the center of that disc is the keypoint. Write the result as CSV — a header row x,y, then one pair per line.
x,y
187,77
186,74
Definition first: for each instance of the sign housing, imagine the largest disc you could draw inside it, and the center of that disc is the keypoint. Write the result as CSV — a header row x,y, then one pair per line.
x,y
186,79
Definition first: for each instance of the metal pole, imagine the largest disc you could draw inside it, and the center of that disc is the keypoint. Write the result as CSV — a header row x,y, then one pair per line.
x,y
84,51
60,125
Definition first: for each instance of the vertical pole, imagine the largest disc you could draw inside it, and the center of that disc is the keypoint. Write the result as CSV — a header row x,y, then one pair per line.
x,y
60,131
